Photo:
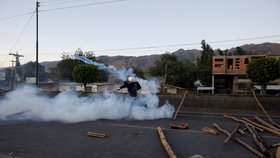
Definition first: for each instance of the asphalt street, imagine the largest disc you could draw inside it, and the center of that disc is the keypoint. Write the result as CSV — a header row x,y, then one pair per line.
x,y
126,138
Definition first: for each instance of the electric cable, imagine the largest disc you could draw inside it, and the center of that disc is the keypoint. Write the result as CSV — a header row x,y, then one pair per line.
x,y
19,36
188,44
59,3
24,28
51,1
82,5
15,16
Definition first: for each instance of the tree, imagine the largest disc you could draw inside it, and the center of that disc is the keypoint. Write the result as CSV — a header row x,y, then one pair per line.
x,y
65,68
138,72
220,52
181,74
263,70
164,67
29,70
85,74
187,75
88,54
66,65
240,51
204,64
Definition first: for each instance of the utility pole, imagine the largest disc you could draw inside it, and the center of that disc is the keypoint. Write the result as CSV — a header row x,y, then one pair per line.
x,y
165,75
37,45
12,82
14,69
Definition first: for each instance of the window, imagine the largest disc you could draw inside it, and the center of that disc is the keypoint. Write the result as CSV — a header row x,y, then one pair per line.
x,y
237,62
229,63
219,60
246,61
219,65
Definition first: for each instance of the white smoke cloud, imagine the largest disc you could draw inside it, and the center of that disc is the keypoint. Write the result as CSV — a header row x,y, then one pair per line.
x,y
25,104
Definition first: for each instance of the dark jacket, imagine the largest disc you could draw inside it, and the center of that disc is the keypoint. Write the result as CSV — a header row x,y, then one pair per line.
x,y
131,87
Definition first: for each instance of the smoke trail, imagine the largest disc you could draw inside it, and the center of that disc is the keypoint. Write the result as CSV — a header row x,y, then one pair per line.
x,y
25,104
121,73
148,86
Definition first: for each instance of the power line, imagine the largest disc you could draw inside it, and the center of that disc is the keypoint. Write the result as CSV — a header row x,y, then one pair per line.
x,y
58,3
50,1
187,44
245,39
70,7
154,48
10,17
19,36
82,5
24,28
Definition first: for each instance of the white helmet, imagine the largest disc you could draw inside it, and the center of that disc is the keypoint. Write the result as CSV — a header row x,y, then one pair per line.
x,y
131,79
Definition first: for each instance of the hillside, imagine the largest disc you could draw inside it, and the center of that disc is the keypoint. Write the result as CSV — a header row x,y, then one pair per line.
x,y
145,62
265,48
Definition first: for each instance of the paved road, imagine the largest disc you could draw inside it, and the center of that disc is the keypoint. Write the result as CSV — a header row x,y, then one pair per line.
x,y
130,139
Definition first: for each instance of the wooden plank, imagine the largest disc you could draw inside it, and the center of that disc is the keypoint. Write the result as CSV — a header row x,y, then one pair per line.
x,y
275,145
242,121
260,105
165,143
278,152
98,135
239,141
259,141
232,133
241,131
183,99
263,127
179,126
266,123
210,131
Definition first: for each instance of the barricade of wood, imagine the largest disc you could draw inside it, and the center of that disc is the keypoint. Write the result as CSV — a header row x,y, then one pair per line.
x,y
210,131
252,128
179,126
165,143
98,135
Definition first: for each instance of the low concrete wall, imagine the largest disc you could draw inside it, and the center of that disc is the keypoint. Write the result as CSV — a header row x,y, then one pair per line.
x,y
223,103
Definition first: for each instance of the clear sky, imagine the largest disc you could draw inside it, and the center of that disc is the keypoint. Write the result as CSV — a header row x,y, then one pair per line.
x,y
132,27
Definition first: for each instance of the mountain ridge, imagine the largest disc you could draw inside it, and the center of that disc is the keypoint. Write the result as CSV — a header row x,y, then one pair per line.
x,y
146,61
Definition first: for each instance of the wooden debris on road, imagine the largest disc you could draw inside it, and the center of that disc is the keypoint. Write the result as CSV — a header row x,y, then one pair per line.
x,y
259,141
241,131
262,126
210,131
266,124
98,135
232,133
242,121
181,103
278,152
179,126
260,105
239,141
275,145
165,143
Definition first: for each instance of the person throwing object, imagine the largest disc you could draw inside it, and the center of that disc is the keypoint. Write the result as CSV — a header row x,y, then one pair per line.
x,y
132,86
